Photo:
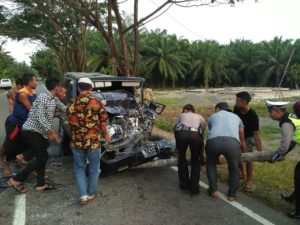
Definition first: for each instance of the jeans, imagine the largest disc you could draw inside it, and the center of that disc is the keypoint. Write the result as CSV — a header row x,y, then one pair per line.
x,y
194,140
38,145
231,149
87,184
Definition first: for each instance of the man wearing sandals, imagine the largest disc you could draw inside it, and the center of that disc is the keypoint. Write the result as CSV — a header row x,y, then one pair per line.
x,y
22,105
251,123
87,119
35,135
11,95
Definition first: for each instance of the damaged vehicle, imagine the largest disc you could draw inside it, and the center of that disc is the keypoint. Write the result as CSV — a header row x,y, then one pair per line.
x,y
131,120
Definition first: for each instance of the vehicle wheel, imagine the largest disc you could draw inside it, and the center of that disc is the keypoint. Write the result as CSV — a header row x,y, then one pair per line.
x,y
155,138
65,144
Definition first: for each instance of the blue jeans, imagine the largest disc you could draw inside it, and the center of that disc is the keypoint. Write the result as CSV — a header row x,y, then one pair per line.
x,y
87,185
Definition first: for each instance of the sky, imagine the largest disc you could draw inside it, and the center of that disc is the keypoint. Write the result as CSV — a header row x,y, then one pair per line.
x,y
256,21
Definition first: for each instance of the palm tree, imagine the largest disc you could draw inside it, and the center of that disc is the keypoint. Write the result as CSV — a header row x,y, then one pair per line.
x,y
243,55
97,56
162,54
273,59
209,62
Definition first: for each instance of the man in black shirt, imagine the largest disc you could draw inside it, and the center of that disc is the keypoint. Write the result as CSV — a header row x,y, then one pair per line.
x,y
251,123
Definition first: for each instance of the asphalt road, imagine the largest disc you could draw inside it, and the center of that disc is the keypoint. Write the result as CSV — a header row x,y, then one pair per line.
x,y
132,197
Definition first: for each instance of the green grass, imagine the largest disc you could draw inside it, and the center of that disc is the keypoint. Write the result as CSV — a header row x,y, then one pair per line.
x,y
270,180
168,101
165,125
269,132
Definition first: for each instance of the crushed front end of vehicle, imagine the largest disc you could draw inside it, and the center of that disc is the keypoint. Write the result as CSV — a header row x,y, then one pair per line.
x,y
130,126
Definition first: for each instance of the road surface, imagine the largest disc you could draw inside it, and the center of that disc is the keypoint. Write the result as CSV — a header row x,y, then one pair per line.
x,y
132,197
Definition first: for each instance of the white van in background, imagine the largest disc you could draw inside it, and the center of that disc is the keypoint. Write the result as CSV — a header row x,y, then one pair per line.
x,y
5,83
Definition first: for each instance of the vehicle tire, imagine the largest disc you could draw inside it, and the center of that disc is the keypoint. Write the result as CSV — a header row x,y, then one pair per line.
x,y
155,138
65,144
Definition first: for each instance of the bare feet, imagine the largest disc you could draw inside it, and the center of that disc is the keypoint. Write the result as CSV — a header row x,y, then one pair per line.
x,y
231,199
34,173
6,169
21,158
214,194
12,182
46,187
17,186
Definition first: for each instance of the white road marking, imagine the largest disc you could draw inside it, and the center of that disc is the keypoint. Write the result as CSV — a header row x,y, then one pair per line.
x,y
237,205
20,210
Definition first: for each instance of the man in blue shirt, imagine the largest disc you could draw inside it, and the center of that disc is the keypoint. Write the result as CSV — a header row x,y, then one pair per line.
x,y
13,125
226,137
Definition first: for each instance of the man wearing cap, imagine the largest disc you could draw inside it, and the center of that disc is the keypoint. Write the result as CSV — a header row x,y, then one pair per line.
x,y
87,119
277,111
226,137
251,123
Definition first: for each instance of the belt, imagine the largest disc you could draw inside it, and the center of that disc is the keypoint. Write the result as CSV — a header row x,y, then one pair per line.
x,y
189,129
181,127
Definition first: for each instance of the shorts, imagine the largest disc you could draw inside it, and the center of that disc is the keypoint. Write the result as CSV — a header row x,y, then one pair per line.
x,y
13,140
250,144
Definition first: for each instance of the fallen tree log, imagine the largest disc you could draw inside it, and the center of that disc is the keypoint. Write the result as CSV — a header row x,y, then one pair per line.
x,y
257,156
245,157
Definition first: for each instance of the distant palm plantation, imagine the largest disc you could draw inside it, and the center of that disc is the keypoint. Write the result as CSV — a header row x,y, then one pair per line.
x,y
97,36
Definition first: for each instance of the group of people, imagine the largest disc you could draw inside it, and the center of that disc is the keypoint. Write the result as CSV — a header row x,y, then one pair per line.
x,y
29,128
231,132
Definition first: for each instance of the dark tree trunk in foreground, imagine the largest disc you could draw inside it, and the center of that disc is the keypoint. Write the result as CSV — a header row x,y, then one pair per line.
x,y
246,157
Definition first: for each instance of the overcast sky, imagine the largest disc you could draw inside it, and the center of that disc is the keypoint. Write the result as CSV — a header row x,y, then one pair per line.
x,y
248,20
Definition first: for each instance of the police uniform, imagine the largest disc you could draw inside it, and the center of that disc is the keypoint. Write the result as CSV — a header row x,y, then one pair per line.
x,y
290,136
189,131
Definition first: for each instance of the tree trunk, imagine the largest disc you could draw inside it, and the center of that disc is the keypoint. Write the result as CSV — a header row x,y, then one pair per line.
x,y
245,157
122,35
278,72
136,40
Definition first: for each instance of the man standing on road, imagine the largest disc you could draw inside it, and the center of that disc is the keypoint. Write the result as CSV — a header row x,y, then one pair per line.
x,y
22,105
87,119
251,128
289,123
28,155
11,94
35,133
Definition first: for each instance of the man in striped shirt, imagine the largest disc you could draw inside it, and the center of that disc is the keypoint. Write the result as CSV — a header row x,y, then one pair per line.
x,y
35,133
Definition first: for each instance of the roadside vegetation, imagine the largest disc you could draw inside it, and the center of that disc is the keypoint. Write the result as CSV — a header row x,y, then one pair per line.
x,y
126,49
270,180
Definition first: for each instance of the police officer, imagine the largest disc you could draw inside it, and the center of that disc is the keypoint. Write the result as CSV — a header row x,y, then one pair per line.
x,y
189,130
289,123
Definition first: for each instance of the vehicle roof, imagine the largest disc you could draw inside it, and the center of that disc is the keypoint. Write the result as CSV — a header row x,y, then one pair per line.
x,y
102,77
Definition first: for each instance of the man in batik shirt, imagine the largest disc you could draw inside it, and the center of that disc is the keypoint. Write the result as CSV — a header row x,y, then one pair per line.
x,y
87,119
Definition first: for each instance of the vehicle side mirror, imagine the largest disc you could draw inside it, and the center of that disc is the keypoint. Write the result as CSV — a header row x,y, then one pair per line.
x,y
158,108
